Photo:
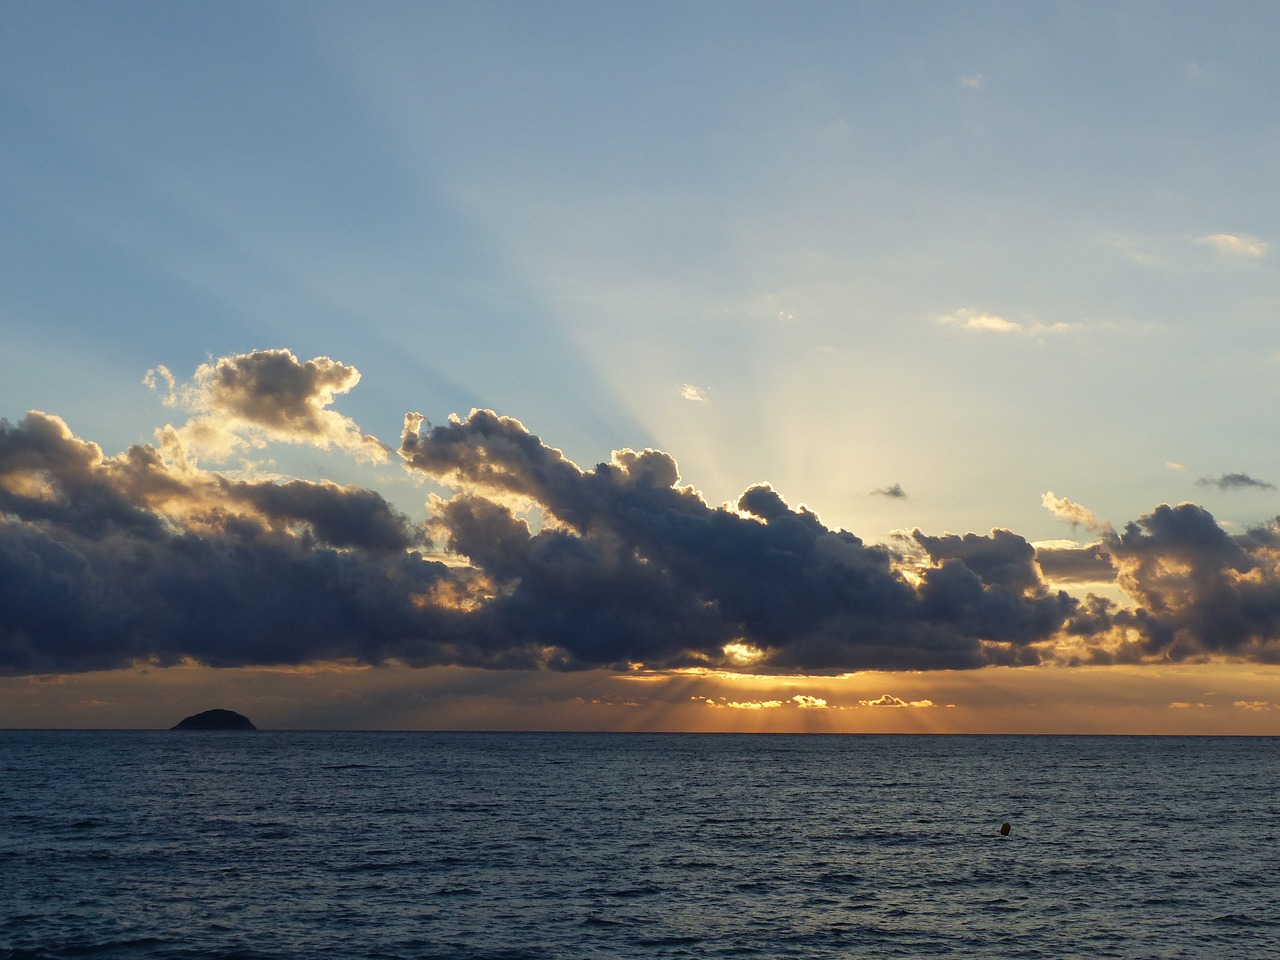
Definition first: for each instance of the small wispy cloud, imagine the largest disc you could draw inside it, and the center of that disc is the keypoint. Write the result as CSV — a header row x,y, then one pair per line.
x,y
972,81
968,319
1233,245
1139,250
152,381
894,492
1235,481
1257,706
1175,466
1074,513
696,394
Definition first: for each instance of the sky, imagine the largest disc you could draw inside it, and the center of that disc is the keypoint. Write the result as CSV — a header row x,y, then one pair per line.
x,y
859,367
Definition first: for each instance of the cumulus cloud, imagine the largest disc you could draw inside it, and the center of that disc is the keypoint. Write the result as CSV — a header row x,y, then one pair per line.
x,y
144,556
636,567
1002,559
696,394
268,395
1233,245
105,561
1235,481
1197,591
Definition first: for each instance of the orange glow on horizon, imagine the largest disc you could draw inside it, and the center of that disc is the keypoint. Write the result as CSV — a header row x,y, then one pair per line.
x,y
1192,699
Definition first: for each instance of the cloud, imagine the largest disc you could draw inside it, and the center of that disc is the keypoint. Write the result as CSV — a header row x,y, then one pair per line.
x,y
803,701
806,702
696,394
722,704
888,700
332,514
973,320
1002,559
267,395
968,319
1233,245
105,561
1074,513
1197,591
1234,481
145,557
1135,249
636,567
894,492
972,81
817,599
1089,563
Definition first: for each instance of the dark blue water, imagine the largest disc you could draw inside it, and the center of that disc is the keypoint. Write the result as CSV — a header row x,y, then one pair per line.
x,y
273,845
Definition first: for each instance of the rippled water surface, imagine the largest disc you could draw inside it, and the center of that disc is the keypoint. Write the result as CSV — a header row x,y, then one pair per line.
x,y
418,845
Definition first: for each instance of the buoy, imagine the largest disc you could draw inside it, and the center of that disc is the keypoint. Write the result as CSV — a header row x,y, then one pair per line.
x,y
1004,829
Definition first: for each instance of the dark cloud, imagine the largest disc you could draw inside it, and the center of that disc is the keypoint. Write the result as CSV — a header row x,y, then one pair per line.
x,y
1087,564
230,598
894,492
777,578
144,556
1002,559
1198,590
584,601
1235,481
92,576
337,516
47,474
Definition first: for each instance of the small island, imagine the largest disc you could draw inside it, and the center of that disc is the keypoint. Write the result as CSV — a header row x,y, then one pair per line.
x,y
216,720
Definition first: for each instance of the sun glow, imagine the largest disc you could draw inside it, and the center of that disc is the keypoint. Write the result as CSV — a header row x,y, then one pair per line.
x,y
742,654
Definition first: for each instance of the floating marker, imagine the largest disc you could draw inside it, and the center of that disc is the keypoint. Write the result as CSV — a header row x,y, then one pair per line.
x,y
1004,829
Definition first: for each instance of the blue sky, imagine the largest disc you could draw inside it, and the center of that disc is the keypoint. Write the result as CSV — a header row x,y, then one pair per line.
x,y
568,213
976,252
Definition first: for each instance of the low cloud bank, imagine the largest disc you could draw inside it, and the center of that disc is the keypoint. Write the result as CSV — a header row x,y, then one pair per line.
x,y
147,556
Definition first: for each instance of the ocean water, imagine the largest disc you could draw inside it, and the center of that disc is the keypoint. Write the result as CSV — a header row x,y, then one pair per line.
x,y
428,845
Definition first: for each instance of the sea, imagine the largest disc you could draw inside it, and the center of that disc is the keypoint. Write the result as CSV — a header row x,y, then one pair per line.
x,y
504,846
